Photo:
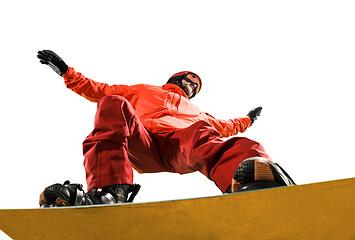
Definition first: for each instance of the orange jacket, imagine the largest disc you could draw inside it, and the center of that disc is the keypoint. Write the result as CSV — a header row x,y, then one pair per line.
x,y
161,109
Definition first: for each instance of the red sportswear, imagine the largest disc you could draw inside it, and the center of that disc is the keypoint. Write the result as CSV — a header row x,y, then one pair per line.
x,y
160,108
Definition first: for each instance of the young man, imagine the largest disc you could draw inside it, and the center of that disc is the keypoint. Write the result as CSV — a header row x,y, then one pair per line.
x,y
157,129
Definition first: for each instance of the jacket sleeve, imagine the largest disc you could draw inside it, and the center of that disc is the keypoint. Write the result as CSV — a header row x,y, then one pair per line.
x,y
229,127
91,89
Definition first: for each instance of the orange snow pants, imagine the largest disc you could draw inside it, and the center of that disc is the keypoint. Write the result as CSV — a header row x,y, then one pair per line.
x,y
119,142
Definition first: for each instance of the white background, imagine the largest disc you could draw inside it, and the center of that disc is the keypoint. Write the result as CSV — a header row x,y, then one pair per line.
x,y
294,58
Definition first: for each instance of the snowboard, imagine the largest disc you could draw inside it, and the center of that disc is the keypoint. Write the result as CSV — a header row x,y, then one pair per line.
x,y
324,210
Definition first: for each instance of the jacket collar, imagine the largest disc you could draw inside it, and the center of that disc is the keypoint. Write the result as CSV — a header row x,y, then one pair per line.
x,y
174,88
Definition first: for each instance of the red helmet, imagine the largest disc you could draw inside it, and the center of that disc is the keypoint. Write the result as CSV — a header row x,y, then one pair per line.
x,y
188,76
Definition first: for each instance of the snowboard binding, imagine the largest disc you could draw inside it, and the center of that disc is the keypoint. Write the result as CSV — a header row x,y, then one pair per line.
x,y
68,194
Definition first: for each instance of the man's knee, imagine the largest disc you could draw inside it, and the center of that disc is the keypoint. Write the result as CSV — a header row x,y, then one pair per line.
x,y
115,99
114,103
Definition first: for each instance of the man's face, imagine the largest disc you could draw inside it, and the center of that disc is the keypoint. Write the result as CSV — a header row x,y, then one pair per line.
x,y
189,87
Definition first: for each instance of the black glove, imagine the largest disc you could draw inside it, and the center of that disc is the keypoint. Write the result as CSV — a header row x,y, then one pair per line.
x,y
254,113
53,60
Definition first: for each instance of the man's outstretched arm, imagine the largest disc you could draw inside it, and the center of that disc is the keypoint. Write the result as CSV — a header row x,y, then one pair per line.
x,y
232,127
77,82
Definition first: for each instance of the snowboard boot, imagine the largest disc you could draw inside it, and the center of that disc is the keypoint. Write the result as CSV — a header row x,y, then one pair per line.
x,y
66,194
259,173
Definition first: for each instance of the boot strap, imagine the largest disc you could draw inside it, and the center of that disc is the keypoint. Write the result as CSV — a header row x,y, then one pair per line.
x,y
134,190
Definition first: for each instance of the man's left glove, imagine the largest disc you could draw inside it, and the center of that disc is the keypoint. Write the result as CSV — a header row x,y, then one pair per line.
x,y
254,113
51,59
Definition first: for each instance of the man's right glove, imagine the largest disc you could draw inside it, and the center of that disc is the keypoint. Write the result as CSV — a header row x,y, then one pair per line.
x,y
51,59
254,113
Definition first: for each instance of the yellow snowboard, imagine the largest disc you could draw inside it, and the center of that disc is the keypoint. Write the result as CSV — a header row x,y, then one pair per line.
x,y
323,210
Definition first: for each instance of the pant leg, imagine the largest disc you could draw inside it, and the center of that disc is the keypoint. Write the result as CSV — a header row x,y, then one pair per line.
x,y
118,137
201,148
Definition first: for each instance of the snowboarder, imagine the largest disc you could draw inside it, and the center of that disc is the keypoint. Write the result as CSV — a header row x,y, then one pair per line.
x,y
158,129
